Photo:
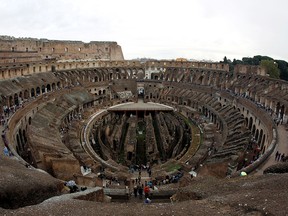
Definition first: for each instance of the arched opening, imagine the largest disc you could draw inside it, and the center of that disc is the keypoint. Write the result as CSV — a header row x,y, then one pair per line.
x,y
38,92
257,135
26,94
253,130
24,137
16,99
263,142
246,122
11,101
129,156
18,141
48,87
20,97
58,85
282,112
260,136
264,148
278,107
21,140
30,120
17,150
32,92
200,80
250,123
43,89
53,86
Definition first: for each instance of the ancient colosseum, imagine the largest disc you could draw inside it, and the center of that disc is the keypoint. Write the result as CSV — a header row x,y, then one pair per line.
x,y
75,111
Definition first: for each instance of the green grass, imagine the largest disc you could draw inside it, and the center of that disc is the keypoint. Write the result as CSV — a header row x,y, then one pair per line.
x,y
173,167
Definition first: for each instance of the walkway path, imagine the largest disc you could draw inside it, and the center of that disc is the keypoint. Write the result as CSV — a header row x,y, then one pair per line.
x,y
1,142
282,147
2,128
144,176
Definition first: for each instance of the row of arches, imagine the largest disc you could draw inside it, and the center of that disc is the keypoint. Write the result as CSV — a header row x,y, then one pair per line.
x,y
22,147
257,133
218,79
195,76
18,98
100,74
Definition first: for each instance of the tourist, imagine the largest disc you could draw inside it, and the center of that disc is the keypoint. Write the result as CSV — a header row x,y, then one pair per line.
x,y
282,157
135,191
150,184
149,171
72,186
6,151
140,191
276,156
146,191
28,165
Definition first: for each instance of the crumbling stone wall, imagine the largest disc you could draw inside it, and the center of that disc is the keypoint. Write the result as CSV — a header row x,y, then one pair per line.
x,y
131,140
151,144
31,49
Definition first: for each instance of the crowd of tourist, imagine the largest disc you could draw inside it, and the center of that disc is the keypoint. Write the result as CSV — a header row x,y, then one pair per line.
x,y
279,156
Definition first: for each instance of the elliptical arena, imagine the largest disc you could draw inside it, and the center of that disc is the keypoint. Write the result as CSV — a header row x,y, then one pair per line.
x,y
80,112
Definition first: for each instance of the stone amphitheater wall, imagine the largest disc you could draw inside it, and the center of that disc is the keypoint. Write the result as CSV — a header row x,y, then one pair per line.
x,y
261,121
27,49
14,70
20,121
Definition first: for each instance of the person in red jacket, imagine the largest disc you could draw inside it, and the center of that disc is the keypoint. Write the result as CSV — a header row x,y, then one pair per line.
x,y
146,191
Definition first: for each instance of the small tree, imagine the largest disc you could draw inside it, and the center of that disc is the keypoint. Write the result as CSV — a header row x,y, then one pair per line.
x,y
271,68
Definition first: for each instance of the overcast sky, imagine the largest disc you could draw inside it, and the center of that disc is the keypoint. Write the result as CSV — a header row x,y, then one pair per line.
x,y
162,29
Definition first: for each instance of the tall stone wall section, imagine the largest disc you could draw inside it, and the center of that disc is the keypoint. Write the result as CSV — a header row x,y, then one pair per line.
x,y
15,50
